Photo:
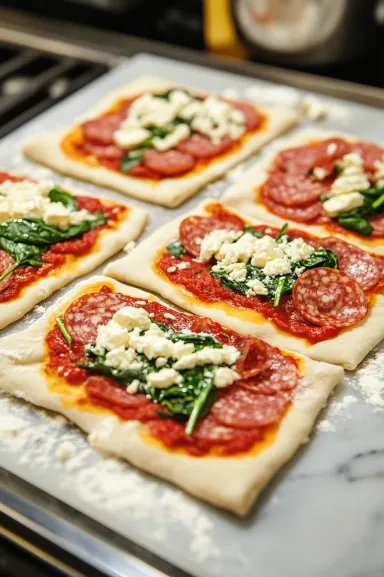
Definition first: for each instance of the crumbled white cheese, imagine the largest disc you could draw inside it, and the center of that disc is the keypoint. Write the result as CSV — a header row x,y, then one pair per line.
x,y
171,269
112,336
319,173
266,250
352,177
183,265
132,317
181,132
30,199
130,137
224,376
133,387
169,316
256,287
313,108
279,266
213,241
120,358
297,249
228,355
379,173
164,378
218,119
343,203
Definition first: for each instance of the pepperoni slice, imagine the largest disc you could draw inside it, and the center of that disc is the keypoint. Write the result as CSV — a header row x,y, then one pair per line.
x,y
251,116
168,163
282,375
208,429
109,151
380,266
354,261
201,146
244,410
194,228
303,213
101,129
143,172
107,390
86,313
302,159
255,359
377,223
292,189
6,261
328,297
369,152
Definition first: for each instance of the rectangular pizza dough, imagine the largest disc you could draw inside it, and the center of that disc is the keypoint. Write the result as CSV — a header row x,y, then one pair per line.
x,y
230,482
109,243
347,349
242,196
46,149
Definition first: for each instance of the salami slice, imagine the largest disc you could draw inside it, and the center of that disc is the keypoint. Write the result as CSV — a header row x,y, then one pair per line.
x,y
143,172
107,390
328,297
168,163
330,150
201,146
108,151
303,213
377,223
302,159
369,152
292,189
245,410
194,228
86,313
208,429
380,266
354,262
256,358
282,375
100,130
6,261
251,116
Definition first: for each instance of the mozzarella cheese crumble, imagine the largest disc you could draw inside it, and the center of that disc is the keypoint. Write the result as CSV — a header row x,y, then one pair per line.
x,y
233,250
345,190
30,199
213,117
130,333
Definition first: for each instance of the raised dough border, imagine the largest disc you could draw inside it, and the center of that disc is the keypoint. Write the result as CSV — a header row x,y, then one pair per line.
x,y
109,243
347,349
230,483
170,192
240,195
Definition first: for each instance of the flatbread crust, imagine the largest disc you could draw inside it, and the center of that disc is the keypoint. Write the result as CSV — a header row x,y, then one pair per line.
x,y
109,243
347,349
171,192
230,482
242,197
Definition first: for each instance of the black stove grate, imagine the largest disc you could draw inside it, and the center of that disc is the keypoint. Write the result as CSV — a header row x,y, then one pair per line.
x,y
33,81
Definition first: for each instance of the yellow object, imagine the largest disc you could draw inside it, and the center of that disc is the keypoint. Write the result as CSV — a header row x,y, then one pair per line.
x,y
219,30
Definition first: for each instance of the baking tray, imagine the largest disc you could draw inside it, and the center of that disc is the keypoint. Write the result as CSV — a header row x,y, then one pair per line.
x,y
323,514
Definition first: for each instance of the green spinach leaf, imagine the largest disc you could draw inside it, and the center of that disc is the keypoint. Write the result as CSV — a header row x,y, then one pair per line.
x,y
199,340
23,254
282,232
176,249
253,232
57,194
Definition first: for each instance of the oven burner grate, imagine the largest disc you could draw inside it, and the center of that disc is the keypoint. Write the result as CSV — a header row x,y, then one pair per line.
x,y
32,81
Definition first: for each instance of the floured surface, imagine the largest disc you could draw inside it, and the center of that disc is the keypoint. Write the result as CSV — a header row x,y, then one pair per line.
x,y
323,510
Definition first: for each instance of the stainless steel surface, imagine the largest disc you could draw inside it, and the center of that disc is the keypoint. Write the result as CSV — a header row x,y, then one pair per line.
x,y
281,537
306,32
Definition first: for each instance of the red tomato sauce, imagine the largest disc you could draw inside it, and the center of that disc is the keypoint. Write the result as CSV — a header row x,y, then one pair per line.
x,y
63,359
57,253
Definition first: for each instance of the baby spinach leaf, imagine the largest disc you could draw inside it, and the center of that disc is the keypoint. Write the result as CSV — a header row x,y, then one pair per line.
x,y
23,254
253,232
57,194
123,378
128,162
355,222
176,249
36,232
199,340
282,232
164,327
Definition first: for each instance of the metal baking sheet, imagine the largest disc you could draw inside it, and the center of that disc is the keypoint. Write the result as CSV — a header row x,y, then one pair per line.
x,y
323,514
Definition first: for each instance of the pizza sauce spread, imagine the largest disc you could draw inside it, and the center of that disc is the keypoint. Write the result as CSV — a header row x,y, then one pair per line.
x,y
59,253
95,141
357,275
233,419
333,183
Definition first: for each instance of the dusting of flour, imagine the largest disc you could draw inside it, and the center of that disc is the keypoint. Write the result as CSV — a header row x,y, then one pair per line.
x,y
370,380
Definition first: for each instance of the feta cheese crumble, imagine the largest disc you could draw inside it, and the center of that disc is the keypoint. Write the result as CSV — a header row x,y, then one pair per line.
x,y
30,199
131,334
